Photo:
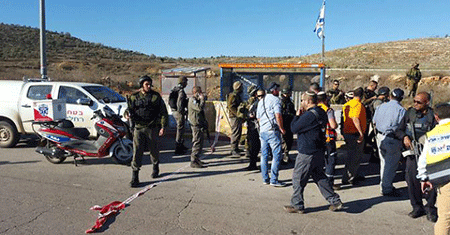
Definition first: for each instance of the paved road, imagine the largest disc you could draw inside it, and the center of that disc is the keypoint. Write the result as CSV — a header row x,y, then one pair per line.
x,y
38,197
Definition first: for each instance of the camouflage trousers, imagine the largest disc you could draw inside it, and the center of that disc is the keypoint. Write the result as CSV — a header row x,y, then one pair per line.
x,y
236,132
198,135
143,139
180,119
413,85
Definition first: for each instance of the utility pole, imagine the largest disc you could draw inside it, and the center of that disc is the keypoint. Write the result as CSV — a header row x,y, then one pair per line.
x,y
43,53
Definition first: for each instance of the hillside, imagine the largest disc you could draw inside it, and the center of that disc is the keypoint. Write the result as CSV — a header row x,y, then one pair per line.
x,y
431,53
73,59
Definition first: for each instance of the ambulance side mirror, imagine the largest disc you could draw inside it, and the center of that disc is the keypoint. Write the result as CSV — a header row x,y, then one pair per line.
x,y
85,101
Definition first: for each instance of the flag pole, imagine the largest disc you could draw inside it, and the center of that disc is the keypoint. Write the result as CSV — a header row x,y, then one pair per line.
x,y
322,70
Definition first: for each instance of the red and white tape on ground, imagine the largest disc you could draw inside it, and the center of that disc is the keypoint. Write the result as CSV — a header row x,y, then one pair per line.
x,y
115,207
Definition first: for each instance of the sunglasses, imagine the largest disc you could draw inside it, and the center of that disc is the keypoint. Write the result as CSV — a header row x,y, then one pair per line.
x,y
418,102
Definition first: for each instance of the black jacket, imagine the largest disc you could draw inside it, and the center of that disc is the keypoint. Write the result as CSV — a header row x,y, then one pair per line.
x,y
310,130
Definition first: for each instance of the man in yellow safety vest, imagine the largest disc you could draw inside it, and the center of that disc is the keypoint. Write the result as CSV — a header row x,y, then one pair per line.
x,y
434,166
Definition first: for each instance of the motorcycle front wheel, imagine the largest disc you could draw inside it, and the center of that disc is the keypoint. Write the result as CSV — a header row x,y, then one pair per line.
x,y
122,154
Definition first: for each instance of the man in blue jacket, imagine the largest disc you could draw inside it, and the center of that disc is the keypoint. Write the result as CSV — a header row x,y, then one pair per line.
x,y
310,124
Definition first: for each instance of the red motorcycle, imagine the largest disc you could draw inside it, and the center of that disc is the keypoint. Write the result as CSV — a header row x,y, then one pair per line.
x,y
60,139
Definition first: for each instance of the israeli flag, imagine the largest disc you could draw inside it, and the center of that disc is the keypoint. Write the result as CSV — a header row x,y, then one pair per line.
x,y
320,22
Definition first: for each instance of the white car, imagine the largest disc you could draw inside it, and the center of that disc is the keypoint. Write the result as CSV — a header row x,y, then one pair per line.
x,y
17,97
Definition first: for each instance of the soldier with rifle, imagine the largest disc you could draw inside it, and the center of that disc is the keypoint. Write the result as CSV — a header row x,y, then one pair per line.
x,y
418,120
149,116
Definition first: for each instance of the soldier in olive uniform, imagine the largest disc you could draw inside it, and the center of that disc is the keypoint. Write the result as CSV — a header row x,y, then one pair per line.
x,y
288,114
336,95
199,125
149,115
414,75
253,142
235,111
179,112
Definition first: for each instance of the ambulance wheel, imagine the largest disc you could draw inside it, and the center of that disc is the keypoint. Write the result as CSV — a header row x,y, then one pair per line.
x,y
9,136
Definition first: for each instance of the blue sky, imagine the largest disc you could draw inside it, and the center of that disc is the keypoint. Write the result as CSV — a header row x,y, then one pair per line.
x,y
204,28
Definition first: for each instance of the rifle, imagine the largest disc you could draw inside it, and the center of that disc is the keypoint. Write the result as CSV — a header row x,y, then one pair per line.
x,y
416,147
208,136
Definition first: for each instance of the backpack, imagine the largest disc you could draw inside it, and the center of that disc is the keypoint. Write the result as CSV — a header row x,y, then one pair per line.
x,y
173,98
322,125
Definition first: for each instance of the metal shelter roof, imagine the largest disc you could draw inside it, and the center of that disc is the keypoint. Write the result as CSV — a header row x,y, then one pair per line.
x,y
184,71
271,65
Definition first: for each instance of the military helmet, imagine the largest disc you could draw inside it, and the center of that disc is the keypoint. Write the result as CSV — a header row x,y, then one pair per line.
x,y
182,79
286,90
145,78
252,89
384,90
237,85
273,86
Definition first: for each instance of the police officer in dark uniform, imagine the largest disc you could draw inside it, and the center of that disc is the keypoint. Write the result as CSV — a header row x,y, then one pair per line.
x,y
288,114
418,120
149,115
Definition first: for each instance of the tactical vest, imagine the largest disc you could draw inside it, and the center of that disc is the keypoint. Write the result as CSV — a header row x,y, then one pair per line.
x,y
421,123
146,108
252,105
438,155
414,74
330,133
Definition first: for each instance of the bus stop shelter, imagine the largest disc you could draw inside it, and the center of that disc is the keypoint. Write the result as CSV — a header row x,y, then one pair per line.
x,y
197,76
296,76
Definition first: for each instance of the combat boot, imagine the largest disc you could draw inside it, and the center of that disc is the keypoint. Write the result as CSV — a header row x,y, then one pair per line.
x,y
155,173
285,160
135,179
184,148
235,154
179,150
197,164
